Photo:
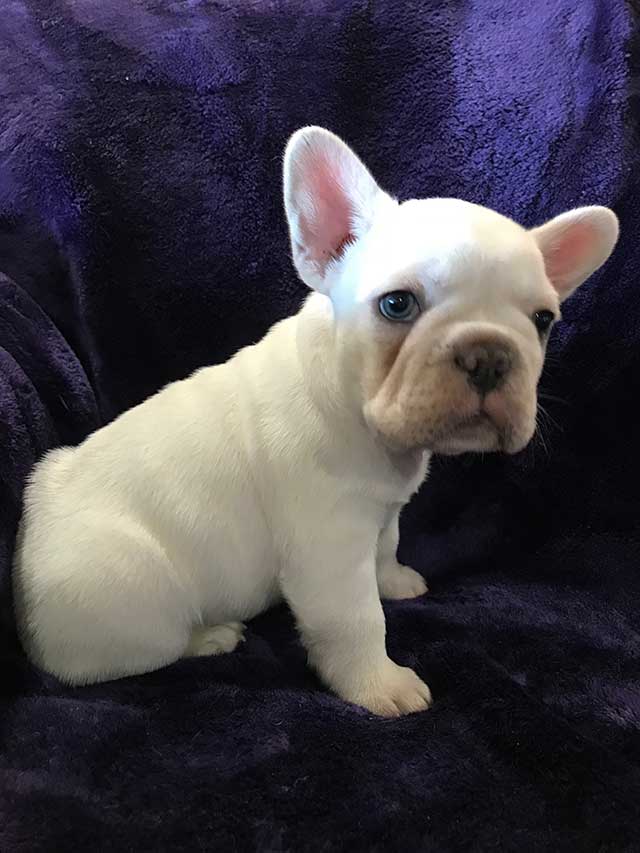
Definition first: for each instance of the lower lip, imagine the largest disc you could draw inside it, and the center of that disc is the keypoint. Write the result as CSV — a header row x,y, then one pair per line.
x,y
473,423
479,428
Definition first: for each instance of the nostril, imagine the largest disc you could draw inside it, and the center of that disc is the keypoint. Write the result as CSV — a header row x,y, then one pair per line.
x,y
501,363
470,360
460,363
485,366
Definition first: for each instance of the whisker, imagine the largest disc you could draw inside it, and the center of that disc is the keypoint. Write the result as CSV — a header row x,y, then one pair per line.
x,y
550,419
552,399
552,358
539,434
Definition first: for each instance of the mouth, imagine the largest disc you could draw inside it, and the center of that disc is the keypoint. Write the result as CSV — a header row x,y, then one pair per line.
x,y
477,433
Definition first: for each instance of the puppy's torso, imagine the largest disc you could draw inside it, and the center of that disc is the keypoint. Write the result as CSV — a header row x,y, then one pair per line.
x,y
195,502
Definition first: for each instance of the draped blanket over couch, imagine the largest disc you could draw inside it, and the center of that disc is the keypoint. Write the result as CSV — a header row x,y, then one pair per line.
x,y
142,236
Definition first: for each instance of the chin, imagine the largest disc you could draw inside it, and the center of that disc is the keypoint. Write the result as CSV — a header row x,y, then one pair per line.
x,y
480,436
454,445
478,433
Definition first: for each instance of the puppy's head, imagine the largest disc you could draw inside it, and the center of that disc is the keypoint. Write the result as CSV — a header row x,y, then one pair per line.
x,y
442,308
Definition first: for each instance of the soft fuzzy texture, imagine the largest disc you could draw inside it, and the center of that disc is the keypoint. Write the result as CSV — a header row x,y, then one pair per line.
x,y
142,235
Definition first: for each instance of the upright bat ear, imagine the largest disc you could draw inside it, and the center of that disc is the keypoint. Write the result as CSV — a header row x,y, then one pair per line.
x,y
330,200
575,244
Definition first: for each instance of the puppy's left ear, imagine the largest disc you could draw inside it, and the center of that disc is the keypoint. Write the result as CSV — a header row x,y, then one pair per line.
x,y
575,244
330,199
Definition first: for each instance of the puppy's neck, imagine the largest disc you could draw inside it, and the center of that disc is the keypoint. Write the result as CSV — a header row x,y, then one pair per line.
x,y
327,377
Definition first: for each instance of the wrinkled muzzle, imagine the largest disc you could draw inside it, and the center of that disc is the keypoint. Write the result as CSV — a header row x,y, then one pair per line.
x,y
473,389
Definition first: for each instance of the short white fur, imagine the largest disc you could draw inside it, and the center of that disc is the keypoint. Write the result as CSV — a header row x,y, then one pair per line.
x,y
266,477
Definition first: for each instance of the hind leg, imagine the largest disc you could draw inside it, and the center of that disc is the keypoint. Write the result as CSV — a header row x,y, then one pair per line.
x,y
101,603
215,640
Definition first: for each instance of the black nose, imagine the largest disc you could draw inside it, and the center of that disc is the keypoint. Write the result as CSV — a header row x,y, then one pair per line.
x,y
486,365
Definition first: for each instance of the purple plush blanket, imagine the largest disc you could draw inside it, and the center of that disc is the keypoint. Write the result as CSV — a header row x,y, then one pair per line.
x,y
142,236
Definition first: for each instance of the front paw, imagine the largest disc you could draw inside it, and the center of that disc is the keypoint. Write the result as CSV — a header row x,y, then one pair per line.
x,y
393,692
396,581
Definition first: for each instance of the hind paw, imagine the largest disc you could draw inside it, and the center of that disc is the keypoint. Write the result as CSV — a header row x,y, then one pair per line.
x,y
216,640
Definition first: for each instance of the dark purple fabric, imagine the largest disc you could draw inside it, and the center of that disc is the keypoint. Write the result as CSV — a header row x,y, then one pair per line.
x,y
142,235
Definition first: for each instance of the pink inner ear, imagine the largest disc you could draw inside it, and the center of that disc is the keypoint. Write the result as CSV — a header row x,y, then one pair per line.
x,y
327,219
567,253
347,240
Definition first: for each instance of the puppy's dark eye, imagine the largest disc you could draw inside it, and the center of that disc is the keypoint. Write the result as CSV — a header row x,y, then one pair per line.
x,y
542,320
400,306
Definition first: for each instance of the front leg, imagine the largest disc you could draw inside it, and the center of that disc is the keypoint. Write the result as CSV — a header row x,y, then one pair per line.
x,y
394,579
331,587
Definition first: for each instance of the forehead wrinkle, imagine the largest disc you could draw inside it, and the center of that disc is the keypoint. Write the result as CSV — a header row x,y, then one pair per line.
x,y
476,251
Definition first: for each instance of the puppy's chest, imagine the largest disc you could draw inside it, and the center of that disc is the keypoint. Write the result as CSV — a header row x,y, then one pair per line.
x,y
386,481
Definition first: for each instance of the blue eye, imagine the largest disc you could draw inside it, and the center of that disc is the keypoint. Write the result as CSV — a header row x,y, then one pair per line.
x,y
400,306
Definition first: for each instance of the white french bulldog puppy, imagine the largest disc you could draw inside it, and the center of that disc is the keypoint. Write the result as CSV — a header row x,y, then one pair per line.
x,y
281,474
